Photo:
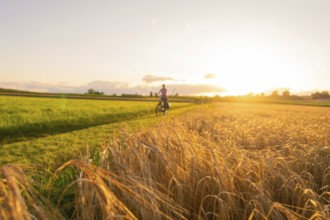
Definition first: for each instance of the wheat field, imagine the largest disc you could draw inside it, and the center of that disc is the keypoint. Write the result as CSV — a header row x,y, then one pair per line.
x,y
220,161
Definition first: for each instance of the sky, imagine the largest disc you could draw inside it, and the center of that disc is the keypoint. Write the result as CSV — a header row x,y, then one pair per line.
x,y
225,47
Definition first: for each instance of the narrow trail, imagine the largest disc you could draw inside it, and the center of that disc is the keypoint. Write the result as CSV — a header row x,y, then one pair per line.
x,y
24,132
56,147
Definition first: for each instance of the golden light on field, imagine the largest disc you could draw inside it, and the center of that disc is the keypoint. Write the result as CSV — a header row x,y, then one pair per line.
x,y
216,161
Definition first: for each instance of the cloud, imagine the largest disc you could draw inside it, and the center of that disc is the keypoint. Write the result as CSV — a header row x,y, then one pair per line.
x,y
113,87
152,78
35,86
210,76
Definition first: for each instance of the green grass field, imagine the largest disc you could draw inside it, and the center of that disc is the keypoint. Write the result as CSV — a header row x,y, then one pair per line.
x,y
26,118
211,161
39,129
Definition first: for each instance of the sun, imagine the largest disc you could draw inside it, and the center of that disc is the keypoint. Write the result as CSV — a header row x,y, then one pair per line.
x,y
251,69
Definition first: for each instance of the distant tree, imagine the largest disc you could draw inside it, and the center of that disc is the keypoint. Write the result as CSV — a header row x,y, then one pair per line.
x,y
90,91
151,94
325,94
286,93
316,95
320,95
93,92
275,93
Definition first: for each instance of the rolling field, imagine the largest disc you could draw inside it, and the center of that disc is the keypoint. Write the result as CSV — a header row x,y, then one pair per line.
x,y
215,161
28,118
38,129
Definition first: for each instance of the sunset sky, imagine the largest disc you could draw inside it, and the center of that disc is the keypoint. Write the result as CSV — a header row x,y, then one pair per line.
x,y
226,47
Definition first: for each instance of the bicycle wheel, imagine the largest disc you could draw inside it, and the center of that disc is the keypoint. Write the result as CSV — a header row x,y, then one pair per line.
x,y
164,110
158,109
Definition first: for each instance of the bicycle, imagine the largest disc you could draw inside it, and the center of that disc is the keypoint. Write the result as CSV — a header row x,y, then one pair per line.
x,y
161,107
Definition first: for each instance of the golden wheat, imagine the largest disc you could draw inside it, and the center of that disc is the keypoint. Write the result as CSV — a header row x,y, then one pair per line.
x,y
226,161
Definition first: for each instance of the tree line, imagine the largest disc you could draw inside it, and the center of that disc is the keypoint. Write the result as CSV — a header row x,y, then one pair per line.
x,y
274,94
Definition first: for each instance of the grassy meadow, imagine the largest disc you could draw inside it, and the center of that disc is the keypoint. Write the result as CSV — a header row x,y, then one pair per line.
x,y
38,129
211,161
28,118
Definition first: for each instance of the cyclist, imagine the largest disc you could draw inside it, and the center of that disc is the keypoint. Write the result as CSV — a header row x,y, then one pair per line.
x,y
163,96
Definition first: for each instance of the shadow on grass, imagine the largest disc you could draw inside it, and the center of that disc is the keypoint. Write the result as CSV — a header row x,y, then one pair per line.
x,y
30,131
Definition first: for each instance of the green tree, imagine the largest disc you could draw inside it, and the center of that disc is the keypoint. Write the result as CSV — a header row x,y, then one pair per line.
x,y
93,92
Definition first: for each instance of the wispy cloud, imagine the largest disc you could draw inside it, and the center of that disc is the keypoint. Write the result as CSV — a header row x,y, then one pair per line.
x,y
152,78
210,76
117,87
35,86
112,87
126,88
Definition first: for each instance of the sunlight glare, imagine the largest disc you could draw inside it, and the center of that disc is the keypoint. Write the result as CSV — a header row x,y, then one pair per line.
x,y
251,69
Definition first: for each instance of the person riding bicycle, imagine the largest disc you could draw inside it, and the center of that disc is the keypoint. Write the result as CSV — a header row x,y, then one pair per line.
x,y
163,96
